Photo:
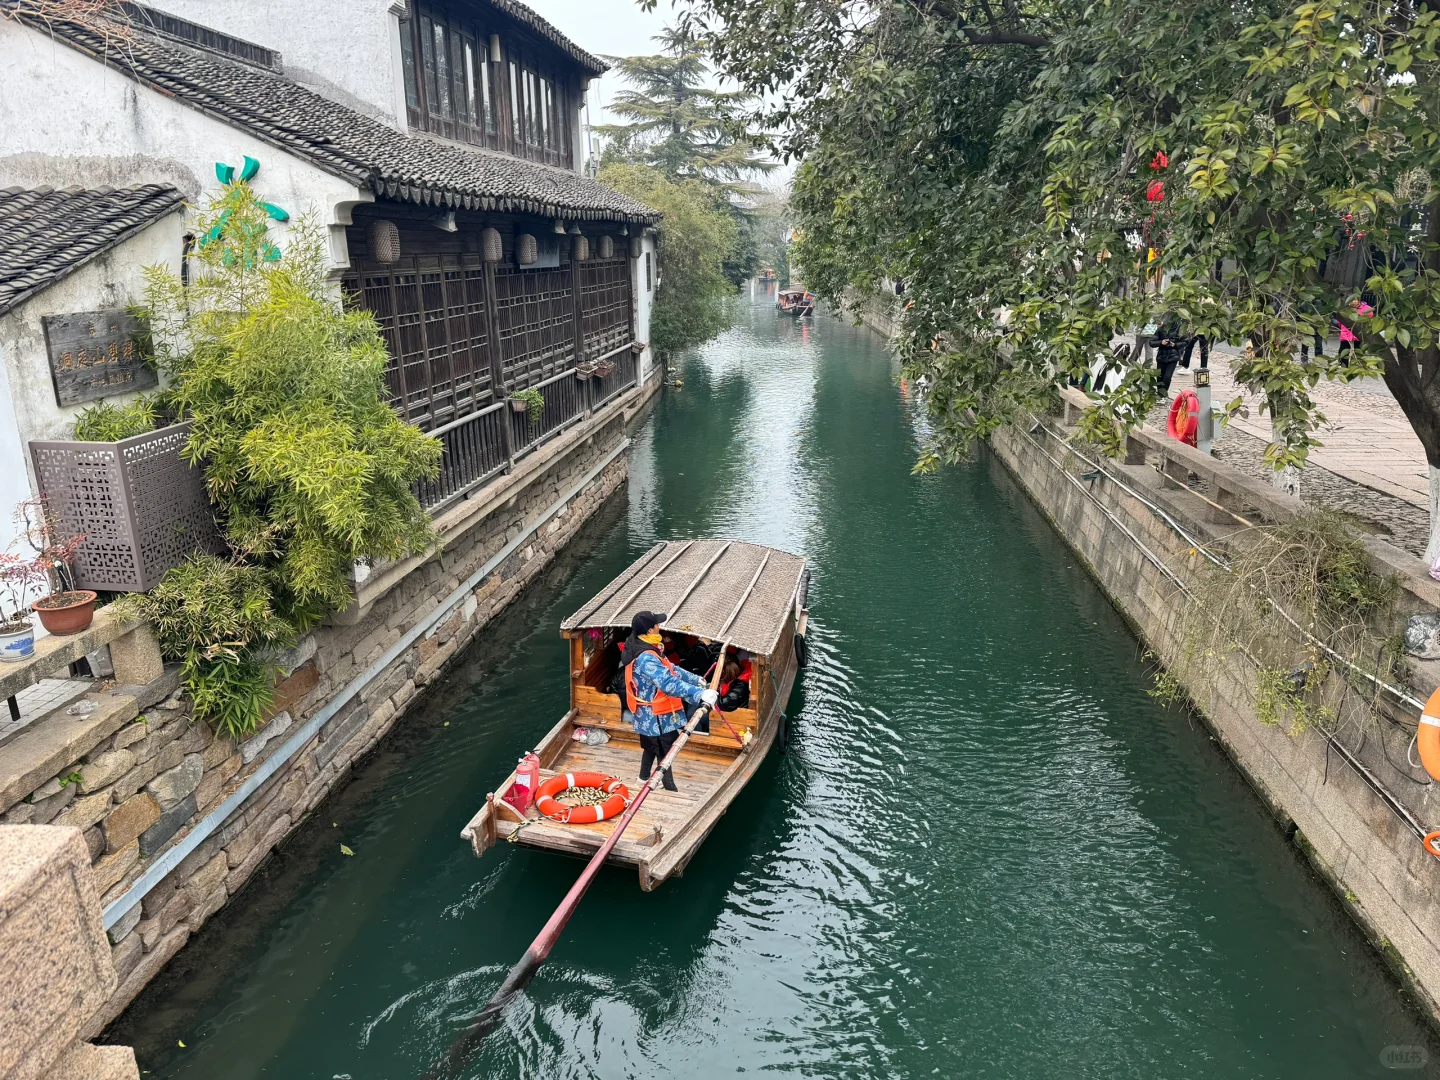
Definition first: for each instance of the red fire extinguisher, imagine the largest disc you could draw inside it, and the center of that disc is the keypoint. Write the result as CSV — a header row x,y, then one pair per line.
x,y
527,779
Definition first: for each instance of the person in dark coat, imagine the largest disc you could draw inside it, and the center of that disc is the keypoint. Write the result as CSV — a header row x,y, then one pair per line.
x,y
1172,346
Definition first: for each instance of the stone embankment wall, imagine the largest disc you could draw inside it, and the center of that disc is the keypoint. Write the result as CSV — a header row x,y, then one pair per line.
x,y
175,819
1351,803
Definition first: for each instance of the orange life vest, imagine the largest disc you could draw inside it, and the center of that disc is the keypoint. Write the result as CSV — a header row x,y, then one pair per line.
x,y
664,704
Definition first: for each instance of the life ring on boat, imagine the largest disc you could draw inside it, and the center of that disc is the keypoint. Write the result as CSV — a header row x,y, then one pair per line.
x,y
1429,843
581,815
1184,417
1427,740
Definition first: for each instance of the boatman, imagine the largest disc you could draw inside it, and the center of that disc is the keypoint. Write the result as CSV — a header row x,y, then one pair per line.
x,y
659,695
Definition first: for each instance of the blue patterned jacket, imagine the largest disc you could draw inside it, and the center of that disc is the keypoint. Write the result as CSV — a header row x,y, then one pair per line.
x,y
651,673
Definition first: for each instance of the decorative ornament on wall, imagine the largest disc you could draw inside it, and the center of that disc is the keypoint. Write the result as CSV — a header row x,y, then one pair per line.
x,y
637,247
227,176
580,248
526,251
606,246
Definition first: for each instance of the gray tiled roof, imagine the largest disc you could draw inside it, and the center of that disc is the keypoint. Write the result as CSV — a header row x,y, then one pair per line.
x,y
46,234
522,14
344,142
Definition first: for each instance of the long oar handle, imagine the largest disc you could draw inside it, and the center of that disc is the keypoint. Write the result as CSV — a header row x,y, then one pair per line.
x,y
468,1040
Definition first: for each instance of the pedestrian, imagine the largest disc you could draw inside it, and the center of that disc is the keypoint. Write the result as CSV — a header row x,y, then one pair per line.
x,y
660,697
1171,348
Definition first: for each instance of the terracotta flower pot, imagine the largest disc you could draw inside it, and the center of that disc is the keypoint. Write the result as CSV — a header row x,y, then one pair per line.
x,y
67,612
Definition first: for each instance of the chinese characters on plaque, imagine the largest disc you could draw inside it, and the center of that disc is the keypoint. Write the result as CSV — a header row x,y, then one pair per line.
x,y
95,354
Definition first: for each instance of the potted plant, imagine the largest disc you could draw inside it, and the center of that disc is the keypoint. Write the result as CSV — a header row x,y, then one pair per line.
x,y
585,370
18,576
67,610
531,401
604,369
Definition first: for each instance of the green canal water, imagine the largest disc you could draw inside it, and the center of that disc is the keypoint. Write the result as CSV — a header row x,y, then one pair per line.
x,y
987,852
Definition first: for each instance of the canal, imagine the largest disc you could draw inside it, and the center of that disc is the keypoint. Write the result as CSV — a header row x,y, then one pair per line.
x,y
987,852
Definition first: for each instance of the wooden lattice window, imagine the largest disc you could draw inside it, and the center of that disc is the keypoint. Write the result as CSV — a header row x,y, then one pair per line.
x,y
535,322
605,304
431,311
454,89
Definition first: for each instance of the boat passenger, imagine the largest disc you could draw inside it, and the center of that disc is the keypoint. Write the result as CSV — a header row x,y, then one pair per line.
x,y
735,682
660,696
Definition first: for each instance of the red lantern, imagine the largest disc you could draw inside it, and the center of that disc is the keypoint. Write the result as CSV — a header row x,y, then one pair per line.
x,y
1155,192
1160,160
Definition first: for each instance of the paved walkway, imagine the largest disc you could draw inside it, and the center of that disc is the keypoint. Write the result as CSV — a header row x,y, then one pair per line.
x,y
1366,437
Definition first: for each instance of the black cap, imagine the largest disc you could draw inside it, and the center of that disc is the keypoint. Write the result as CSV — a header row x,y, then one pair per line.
x,y
644,622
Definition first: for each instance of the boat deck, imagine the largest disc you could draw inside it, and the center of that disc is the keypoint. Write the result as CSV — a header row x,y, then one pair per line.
x,y
696,774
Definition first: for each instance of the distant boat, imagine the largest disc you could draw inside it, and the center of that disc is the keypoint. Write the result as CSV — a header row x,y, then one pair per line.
x,y
752,597
795,301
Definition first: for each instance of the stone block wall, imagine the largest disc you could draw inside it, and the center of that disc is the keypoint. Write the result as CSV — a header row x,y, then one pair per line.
x,y
142,795
1351,833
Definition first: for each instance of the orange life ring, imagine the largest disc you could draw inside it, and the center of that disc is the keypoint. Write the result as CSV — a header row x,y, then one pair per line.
x,y
1429,843
1427,738
581,815
1184,417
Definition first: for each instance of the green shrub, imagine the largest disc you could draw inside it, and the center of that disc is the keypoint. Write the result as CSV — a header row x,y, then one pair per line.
x,y
306,464
104,422
217,617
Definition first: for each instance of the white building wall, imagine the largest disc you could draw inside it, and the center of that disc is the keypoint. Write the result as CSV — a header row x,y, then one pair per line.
x,y
66,120
645,300
339,48
28,410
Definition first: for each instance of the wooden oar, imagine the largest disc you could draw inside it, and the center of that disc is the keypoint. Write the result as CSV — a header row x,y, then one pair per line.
x,y
465,1044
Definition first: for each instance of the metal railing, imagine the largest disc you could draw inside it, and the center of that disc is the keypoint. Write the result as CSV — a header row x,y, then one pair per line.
x,y
488,442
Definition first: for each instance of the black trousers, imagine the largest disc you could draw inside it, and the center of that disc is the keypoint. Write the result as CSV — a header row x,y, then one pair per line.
x,y
653,750
1166,370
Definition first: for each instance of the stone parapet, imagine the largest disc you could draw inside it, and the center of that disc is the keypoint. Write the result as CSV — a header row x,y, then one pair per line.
x,y
55,967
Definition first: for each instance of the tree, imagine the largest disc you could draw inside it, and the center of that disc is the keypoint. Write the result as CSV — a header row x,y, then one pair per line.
x,y
677,124
308,468
693,299
1002,158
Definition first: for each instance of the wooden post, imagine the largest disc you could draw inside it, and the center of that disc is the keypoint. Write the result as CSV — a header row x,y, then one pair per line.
x,y
578,316
498,390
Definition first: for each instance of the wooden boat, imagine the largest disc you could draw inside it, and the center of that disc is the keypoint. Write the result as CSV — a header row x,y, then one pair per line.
x,y
752,597
795,301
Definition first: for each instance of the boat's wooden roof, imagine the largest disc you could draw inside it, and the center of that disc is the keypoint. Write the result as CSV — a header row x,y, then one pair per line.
x,y
700,586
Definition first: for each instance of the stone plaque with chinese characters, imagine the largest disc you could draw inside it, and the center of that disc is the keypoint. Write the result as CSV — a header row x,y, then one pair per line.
x,y
95,354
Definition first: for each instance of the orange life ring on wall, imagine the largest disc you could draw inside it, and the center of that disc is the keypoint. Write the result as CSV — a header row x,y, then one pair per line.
x,y
581,815
1184,417
1427,738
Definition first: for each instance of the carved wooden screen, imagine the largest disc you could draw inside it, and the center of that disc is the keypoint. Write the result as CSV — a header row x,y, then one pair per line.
x,y
431,311
535,322
605,304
